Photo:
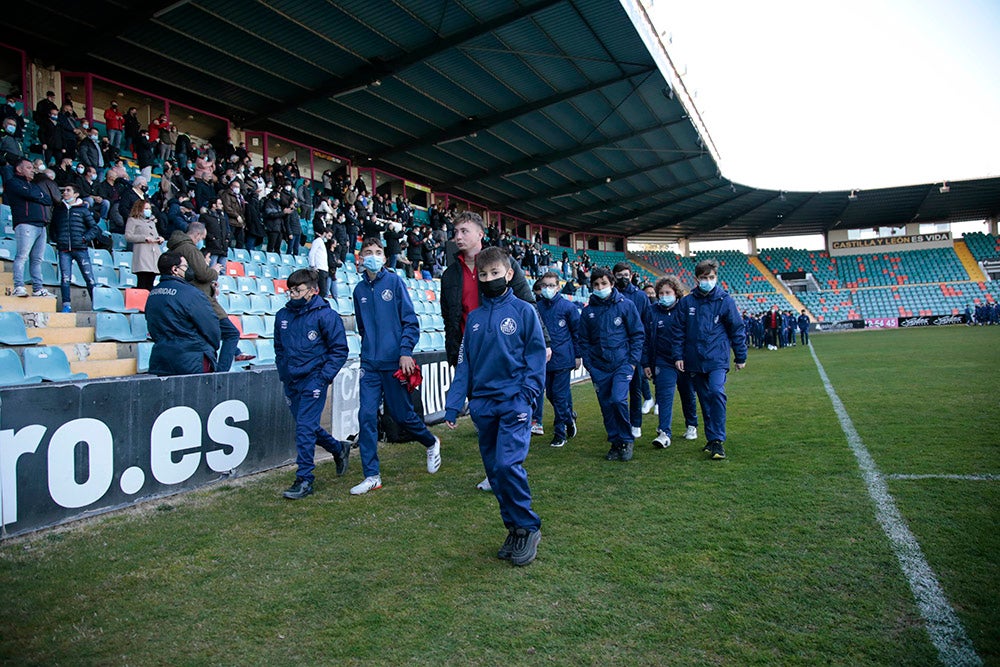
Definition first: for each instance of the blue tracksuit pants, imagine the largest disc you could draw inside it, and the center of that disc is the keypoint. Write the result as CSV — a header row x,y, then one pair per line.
x,y
711,390
668,379
613,394
556,385
635,400
373,388
307,408
504,437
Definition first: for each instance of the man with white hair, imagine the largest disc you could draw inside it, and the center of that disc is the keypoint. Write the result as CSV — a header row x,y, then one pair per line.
x,y
128,198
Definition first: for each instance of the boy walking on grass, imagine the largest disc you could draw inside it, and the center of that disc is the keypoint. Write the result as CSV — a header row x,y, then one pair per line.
x,y
562,319
310,348
389,331
501,370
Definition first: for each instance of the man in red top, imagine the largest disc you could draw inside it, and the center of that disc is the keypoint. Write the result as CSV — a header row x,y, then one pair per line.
x,y
160,123
114,122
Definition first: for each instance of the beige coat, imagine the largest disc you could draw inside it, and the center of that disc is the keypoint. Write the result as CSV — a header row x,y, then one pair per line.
x,y
138,231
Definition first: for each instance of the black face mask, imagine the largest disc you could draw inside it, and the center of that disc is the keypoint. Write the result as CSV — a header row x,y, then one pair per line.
x,y
621,283
189,275
491,289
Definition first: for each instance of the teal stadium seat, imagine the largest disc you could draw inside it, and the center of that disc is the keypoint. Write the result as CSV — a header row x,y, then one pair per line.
x,y
110,299
11,372
49,363
115,327
13,331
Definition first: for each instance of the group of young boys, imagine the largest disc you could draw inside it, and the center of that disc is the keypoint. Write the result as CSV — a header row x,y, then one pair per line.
x,y
505,365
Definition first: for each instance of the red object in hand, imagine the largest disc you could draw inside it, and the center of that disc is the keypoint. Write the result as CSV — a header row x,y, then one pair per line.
x,y
411,381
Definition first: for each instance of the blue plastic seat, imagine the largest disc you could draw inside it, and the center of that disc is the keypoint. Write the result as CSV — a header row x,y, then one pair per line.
x,y
8,248
240,255
116,327
49,254
238,304
268,326
100,257
437,340
265,286
353,345
49,363
342,290
118,242
253,325
282,272
227,284
143,350
13,331
103,274
302,261
253,269
277,302
273,258
265,351
140,330
50,273
258,304
110,299
258,256
288,260
345,306
246,285
123,260
266,272
127,279
11,372
244,347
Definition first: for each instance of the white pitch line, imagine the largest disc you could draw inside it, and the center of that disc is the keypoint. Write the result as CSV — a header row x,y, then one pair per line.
x,y
945,629
963,478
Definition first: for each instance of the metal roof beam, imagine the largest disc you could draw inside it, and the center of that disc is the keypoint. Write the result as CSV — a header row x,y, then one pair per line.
x,y
602,205
376,70
647,210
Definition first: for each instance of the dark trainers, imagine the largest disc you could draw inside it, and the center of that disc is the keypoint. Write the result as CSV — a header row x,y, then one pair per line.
x,y
625,453
505,550
342,457
716,450
300,489
525,546
571,429
614,454
707,448
557,442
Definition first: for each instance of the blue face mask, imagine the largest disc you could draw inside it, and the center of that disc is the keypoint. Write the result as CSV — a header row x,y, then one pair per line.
x,y
12,129
602,293
667,301
201,244
707,285
373,263
549,292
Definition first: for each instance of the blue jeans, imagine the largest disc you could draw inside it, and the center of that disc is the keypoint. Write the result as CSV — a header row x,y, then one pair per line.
x,y
30,244
374,387
230,343
115,138
66,258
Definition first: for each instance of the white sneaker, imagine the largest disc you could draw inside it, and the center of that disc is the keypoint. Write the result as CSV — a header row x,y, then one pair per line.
x,y
691,433
434,456
636,431
19,291
537,429
656,409
662,440
484,485
43,292
647,405
368,484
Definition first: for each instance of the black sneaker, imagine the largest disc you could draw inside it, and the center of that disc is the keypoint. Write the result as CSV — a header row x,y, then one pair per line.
x,y
707,448
342,457
716,450
614,454
300,489
625,453
525,546
505,550
571,429
557,442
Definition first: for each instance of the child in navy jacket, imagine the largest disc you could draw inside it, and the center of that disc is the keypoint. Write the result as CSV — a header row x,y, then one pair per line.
x,y
389,331
562,319
611,341
707,325
310,348
659,363
501,369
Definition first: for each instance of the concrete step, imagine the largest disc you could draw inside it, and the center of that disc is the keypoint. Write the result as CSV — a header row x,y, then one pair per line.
x,y
58,320
63,335
92,352
29,304
104,368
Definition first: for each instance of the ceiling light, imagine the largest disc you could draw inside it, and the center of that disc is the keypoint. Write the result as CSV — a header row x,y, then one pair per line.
x,y
607,180
944,189
853,196
781,195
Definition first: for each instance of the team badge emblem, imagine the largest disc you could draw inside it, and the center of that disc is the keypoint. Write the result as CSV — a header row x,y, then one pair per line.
x,y
508,326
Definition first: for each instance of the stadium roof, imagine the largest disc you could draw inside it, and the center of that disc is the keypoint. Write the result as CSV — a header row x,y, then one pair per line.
x,y
566,112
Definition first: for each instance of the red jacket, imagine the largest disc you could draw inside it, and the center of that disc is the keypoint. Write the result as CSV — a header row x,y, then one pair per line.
x,y
155,127
113,119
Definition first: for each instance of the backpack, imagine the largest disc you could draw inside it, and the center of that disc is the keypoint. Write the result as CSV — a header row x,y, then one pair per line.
x,y
389,430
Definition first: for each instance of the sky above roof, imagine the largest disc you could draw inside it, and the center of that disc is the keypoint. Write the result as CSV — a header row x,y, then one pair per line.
x,y
809,95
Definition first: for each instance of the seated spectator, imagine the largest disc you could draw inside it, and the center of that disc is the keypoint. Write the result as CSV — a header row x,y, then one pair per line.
x,y
182,324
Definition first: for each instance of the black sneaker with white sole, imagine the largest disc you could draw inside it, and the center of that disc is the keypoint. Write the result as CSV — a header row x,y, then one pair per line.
x,y
300,489
571,429
525,546
626,451
342,457
557,442
614,454
505,550
716,450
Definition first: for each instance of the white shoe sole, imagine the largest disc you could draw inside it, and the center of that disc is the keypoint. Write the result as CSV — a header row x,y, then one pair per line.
x,y
434,457
484,485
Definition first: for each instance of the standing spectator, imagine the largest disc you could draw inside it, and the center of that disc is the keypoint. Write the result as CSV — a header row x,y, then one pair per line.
x,y
43,111
803,322
73,228
274,221
114,123
182,149
132,127
389,331
11,149
392,235
310,348
140,231
304,194
168,139
66,124
51,137
184,329
27,201
90,150
217,232
707,325
156,126
772,324
255,234
611,340
319,261
235,206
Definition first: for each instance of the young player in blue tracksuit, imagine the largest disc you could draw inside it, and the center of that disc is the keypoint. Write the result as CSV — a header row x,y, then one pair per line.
x,y
803,322
659,363
562,319
611,341
639,389
707,325
310,348
501,369
389,331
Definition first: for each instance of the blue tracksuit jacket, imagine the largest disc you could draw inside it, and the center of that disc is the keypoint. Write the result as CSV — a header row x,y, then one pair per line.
x,y
310,346
660,336
183,326
386,321
502,354
705,327
639,299
562,319
803,321
611,334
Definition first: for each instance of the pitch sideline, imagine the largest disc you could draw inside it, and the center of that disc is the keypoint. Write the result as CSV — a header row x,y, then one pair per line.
x,y
945,629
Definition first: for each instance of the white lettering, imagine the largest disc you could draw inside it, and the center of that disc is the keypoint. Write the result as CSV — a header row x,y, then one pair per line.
x,y
221,432
63,486
163,444
12,446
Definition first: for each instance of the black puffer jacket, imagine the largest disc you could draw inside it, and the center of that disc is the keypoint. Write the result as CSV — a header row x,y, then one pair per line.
x,y
73,227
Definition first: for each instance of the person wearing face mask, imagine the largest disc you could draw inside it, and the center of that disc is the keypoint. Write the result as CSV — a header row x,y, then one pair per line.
x,y
611,340
114,122
89,151
640,397
562,320
73,228
772,323
236,208
140,231
310,348
66,124
501,370
182,324
389,331
205,277
10,148
143,147
319,260
706,327
658,363
219,234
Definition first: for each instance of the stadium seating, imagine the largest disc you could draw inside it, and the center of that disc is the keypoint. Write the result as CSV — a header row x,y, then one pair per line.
x,y
49,363
13,331
117,327
11,372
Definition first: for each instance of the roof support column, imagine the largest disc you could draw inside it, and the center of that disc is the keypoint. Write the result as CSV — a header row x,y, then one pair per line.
x,y
684,247
751,245
991,224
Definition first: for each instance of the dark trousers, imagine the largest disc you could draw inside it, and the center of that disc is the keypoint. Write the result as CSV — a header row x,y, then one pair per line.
x,y
373,388
804,336
504,438
274,241
711,390
66,259
230,343
668,379
612,395
307,409
145,279
635,399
